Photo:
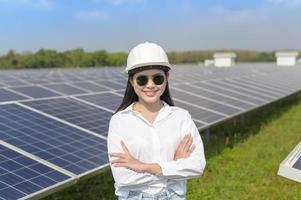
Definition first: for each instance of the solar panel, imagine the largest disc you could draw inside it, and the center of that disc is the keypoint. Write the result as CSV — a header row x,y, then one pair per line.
x,y
215,96
276,85
290,167
65,89
297,164
90,86
211,105
199,113
37,81
6,95
232,93
65,146
14,83
5,77
111,84
241,90
107,100
75,112
21,176
35,91
199,124
121,92
254,88
265,86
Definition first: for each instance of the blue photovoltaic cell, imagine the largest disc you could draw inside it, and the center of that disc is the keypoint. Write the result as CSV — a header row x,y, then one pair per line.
x,y
297,164
106,100
15,83
214,96
65,89
90,86
75,112
58,143
192,99
6,95
199,113
37,81
6,78
121,81
35,91
21,176
231,93
111,84
241,90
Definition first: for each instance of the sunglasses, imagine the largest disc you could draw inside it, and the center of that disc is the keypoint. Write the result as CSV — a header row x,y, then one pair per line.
x,y
142,80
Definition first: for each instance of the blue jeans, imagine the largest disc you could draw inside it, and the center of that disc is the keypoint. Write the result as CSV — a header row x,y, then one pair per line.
x,y
164,194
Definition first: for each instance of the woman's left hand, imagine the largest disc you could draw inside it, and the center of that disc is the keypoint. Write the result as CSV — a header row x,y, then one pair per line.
x,y
127,160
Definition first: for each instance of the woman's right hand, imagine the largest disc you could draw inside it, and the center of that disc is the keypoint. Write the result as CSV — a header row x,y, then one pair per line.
x,y
185,147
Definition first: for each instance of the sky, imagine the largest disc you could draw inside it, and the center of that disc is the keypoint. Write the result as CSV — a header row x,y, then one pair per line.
x,y
177,25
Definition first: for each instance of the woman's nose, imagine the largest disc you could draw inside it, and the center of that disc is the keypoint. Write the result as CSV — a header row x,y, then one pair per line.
x,y
150,83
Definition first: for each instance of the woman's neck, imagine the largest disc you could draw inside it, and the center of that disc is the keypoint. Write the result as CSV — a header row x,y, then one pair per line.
x,y
149,107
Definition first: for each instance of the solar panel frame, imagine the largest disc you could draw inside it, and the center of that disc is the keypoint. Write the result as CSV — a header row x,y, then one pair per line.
x,y
290,167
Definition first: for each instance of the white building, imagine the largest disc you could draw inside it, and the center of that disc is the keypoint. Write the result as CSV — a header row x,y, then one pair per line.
x,y
224,59
208,62
287,58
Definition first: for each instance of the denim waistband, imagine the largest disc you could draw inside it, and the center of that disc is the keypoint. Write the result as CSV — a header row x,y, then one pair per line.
x,y
164,194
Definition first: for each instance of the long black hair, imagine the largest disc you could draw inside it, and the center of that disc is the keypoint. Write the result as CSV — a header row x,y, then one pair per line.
x,y
130,96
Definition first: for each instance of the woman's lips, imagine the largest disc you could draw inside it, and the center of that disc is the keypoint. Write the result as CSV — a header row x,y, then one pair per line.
x,y
150,94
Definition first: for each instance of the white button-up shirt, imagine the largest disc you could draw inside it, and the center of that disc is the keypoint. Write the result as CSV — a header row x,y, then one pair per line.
x,y
155,143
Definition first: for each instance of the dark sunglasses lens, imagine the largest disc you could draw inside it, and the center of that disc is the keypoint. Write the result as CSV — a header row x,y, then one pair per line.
x,y
158,80
142,80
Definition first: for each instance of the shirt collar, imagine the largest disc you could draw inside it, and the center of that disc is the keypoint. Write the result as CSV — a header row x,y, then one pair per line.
x,y
164,111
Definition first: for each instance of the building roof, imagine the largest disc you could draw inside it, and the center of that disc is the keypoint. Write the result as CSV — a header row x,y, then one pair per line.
x,y
287,54
224,55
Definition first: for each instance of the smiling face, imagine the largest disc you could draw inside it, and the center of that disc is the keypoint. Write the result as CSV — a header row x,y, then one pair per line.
x,y
148,85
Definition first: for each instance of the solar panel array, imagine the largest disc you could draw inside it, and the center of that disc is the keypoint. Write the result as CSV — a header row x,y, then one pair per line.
x,y
54,123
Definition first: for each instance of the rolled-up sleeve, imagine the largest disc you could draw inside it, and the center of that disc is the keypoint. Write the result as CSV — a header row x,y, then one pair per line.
x,y
192,166
123,176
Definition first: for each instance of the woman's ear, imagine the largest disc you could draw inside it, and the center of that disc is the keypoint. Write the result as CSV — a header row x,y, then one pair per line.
x,y
167,76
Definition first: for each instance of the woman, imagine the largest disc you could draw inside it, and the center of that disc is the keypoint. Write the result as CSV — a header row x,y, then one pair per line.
x,y
154,147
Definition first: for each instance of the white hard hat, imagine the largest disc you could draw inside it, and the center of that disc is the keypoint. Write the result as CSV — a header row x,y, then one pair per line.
x,y
147,54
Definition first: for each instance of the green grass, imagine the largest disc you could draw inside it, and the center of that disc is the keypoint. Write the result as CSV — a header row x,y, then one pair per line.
x,y
249,169
242,159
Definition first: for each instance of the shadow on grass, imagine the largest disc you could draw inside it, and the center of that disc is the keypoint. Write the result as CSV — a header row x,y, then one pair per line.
x,y
238,129
224,135
99,187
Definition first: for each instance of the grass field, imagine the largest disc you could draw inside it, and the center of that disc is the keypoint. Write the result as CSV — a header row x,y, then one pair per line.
x,y
249,169
243,158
